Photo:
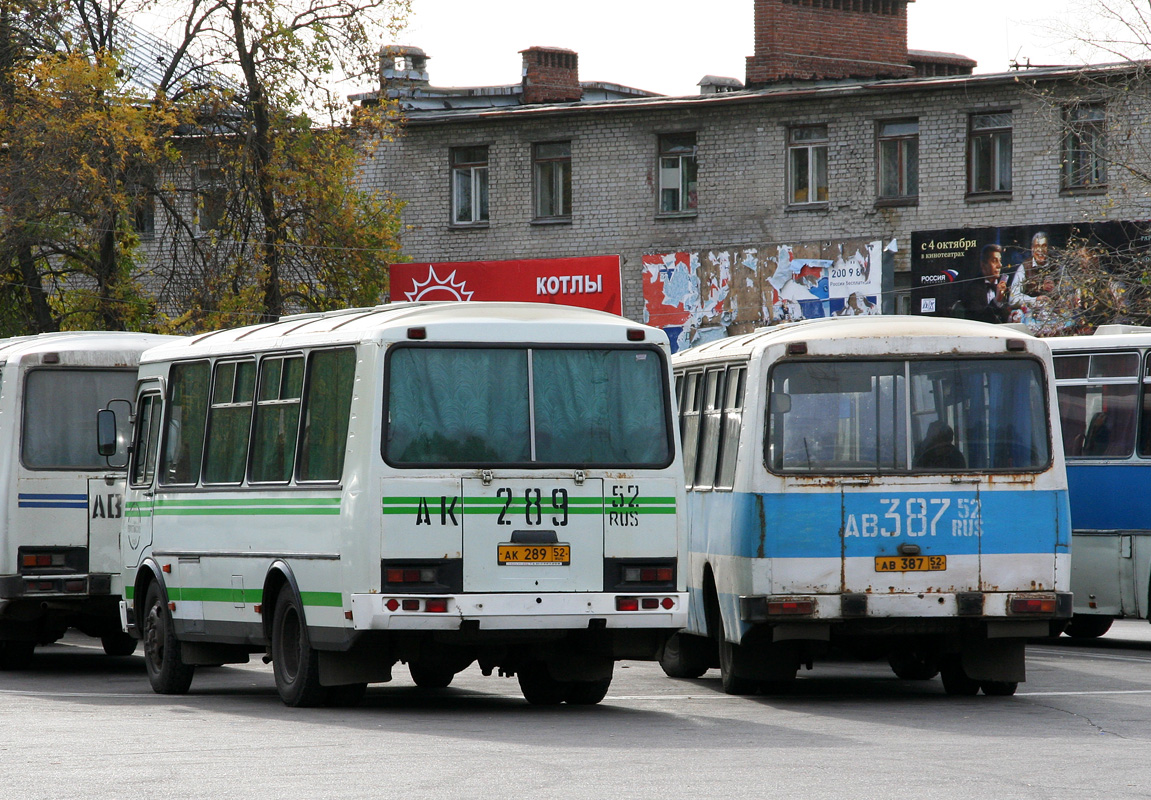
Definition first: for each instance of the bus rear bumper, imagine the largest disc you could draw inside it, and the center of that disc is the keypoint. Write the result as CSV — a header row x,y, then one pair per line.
x,y
519,611
1012,606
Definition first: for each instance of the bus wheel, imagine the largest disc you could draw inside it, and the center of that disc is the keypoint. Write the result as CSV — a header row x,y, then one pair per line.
x,y
998,688
539,687
587,693
430,675
295,664
685,656
955,680
166,672
118,644
1088,626
728,656
16,654
913,665
346,695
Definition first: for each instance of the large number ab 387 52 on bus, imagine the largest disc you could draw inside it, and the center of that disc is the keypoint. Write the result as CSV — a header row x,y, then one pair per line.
x,y
437,484
888,486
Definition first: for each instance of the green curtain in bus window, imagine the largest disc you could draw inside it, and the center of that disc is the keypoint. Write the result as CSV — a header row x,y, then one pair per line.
x,y
600,407
277,419
229,422
327,408
184,433
448,406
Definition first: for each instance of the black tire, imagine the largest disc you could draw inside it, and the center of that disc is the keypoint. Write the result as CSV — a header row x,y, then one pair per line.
x,y
998,688
118,644
732,683
913,665
1088,626
346,695
295,664
539,687
430,675
167,673
686,656
955,680
587,693
16,655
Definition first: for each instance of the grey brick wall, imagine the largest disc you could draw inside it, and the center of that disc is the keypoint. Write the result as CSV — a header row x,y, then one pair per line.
x,y
742,173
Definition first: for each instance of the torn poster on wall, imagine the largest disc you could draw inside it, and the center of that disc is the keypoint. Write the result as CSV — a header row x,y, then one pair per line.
x,y
699,296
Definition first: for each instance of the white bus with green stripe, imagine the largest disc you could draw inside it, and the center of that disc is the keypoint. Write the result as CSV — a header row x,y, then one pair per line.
x,y
429,484
61,503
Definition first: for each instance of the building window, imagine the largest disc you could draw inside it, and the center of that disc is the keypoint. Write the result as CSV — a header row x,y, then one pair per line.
x,y
677,173
469,185
1085,148
989,153
899,159
807,164
552,167
211,199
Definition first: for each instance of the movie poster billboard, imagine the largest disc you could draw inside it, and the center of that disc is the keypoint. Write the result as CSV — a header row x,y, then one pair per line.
x,y
588,282
1030,274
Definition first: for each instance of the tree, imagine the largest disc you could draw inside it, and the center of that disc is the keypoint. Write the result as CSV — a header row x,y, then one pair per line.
x,y
264,214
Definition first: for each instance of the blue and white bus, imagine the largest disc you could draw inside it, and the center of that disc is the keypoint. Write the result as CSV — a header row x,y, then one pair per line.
x,y
1104,387
890,486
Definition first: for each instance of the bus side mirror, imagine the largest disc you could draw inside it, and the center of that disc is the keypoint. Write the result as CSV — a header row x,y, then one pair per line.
x,y
780,403
106,432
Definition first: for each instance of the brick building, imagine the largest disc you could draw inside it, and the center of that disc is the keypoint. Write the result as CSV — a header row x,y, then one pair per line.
x,y
826,164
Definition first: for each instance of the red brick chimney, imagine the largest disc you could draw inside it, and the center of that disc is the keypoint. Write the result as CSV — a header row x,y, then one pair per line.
x,y
820,39
551,75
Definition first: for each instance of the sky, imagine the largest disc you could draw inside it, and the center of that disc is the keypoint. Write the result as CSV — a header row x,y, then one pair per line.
x,y
666,46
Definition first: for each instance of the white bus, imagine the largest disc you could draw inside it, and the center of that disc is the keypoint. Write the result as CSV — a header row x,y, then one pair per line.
x,y
62,503
1104,387
888,486
435,484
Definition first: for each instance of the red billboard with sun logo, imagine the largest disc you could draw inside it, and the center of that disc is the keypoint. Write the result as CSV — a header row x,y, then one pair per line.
x,y
587,282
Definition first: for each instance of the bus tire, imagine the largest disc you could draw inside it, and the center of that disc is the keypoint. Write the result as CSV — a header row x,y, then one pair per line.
x,y
295,664
998,688
955,680
728,657
15,654
1088,626
539,687
913,665
118,644
587,693
167,673
430,675
685,656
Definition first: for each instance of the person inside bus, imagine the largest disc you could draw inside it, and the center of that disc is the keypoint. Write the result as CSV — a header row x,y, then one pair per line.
x,y
938,450
1097,436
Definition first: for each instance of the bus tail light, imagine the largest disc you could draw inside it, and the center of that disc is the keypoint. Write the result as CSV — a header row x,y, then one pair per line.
x,y
401,575
653,574
790,607
1032,604
628,603
422,576
429,605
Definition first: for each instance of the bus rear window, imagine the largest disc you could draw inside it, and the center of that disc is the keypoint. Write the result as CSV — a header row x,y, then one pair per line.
x,y
520,406
60,408
908,416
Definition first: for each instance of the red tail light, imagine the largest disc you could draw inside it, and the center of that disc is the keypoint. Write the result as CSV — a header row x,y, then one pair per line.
x,y
1032,605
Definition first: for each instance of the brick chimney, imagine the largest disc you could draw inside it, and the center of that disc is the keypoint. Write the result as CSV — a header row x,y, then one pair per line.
x,y
551,75
824,39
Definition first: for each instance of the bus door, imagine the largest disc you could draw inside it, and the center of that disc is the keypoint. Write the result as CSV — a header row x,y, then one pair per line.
x,y
533,535
138,510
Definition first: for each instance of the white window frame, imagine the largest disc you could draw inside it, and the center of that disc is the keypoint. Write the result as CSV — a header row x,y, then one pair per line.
x,y
898,145
991,130
1085,147
470,184
678,174
807,180
552,181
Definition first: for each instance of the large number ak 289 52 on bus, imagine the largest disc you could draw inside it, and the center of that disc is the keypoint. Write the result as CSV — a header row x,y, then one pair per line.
x,y
889,485
61,502
437,484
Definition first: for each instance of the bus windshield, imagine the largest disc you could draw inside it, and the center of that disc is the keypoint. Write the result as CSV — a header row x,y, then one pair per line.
x,y
527,406
930,416
60,408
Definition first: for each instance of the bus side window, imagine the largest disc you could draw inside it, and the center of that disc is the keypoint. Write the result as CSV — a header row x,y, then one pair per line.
x,y
690,423
230,421
184,433
147,432
277,419
327,410
732,422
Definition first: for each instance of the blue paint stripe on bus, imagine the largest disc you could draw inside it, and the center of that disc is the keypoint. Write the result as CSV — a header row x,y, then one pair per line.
x,y
801,525
34,500
1110,497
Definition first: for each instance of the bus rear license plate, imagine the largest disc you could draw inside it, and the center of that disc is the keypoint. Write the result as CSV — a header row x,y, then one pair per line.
x,y
538,555
910,563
